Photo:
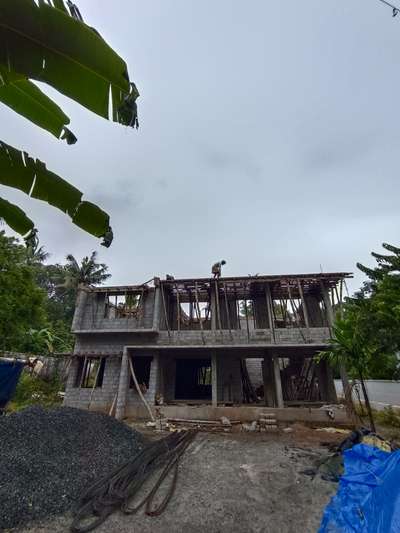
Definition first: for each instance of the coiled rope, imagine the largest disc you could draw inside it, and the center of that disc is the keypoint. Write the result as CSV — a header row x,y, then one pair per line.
x,y
119,489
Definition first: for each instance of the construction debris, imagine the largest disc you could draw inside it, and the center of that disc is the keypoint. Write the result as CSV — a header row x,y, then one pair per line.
x,y
49,455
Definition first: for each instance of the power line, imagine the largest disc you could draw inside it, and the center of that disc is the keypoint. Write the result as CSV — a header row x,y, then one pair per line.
x,y
395,10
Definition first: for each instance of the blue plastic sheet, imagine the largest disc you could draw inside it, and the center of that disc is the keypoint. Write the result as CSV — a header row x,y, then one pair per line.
x,y
9,376
368,497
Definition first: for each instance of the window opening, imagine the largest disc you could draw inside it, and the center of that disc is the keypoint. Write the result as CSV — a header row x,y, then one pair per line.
x,y
142,367
90,372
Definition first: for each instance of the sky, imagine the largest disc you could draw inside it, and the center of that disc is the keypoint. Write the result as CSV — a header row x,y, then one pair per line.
x,y
269,137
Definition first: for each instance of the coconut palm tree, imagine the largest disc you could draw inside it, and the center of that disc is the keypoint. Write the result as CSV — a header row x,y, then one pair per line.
x,y
89,272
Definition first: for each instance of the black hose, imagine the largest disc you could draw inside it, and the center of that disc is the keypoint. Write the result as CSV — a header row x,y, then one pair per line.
x,y
118,489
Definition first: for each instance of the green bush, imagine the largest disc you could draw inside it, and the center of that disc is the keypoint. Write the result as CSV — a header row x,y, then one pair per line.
x,y
32,390
388,417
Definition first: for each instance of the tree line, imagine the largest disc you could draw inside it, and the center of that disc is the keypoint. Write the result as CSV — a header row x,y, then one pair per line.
x,y
37,298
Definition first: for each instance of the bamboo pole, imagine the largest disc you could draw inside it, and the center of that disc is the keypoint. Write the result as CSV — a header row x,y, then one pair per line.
x,y
305,312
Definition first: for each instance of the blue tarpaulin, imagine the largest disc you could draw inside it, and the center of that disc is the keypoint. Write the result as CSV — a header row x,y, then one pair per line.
x,y
9,376
368,497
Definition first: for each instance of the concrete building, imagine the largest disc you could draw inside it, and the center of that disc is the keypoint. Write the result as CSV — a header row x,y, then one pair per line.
x,y
206,347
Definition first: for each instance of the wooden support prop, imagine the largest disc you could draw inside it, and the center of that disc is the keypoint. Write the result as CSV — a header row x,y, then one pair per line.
x,y
141,307
197,307
135,381
270,310
178,308
114,403
237,308
228,318
295,313
95,383
165,309
327,305
305,311
247,319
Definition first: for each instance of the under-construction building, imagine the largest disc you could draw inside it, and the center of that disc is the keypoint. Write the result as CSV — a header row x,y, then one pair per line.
x,y
224,346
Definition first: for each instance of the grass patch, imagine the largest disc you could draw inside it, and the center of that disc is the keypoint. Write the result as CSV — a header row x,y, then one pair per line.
x,y
32,390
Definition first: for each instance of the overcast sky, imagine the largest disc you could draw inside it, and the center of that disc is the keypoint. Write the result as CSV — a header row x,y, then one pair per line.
x,y
269,136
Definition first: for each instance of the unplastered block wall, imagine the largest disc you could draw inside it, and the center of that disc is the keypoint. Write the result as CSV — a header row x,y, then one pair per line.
x,y
133,398
91,314
229,381
98,399
254,369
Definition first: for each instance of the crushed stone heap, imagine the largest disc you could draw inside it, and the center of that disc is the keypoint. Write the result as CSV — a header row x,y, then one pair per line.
x,y
48,456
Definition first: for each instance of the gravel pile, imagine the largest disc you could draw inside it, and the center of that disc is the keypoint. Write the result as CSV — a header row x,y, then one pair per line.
x,y
47,457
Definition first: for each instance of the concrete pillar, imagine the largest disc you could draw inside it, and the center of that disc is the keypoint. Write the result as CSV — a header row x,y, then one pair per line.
x,y
213,303
80,304
326,382
160,382
268,379
157,308
214,379
123,386
278,383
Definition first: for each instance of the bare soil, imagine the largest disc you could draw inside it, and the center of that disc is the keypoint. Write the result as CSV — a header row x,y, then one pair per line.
x,y
238,482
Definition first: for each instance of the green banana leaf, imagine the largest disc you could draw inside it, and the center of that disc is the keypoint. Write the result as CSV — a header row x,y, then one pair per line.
x,y
14,217
28,100
20,171
45,43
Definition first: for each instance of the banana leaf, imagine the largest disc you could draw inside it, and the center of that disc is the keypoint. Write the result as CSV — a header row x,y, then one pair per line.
x,y
28,100
20,171
14,217
45,43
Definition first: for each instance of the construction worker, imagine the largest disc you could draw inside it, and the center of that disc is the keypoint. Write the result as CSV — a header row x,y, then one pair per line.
x,y
216,269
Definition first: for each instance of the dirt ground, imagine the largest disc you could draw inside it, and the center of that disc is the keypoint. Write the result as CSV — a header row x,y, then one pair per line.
x,y
239,482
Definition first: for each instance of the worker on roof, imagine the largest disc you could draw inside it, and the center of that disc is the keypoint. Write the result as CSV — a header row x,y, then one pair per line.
x,y
216,269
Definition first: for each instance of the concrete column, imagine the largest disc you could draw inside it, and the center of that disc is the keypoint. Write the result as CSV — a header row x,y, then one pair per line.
x,y
80,304
157,308
278,383
214,378
268,379
123,386
160,382
326,382
213,308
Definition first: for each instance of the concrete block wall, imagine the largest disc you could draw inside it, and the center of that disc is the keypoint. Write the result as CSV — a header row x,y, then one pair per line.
x,y
229,380
90,313
254,369
102,397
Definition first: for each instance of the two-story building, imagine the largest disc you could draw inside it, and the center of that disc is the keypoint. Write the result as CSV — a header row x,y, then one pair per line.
x,y
207,347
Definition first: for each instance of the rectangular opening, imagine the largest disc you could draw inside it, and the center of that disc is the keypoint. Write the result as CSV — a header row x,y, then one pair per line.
x,y
90,372
193,379
142,367
123,305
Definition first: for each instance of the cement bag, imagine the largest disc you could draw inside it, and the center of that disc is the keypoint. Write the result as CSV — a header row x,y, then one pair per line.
x,y
368,497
